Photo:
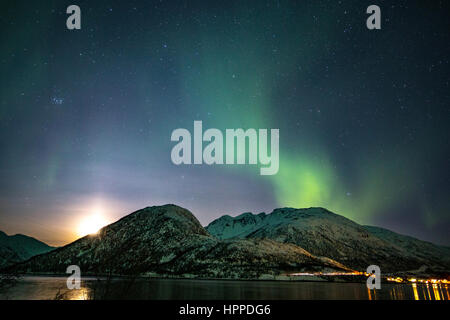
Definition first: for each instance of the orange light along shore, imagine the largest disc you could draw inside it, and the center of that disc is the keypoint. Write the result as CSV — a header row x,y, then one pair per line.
x,y
356,273
414,280
318,274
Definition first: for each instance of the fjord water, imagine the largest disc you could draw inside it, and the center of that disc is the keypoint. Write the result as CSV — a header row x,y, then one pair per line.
x,y
51,288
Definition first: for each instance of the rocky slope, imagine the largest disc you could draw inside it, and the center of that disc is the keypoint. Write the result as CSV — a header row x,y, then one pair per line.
x,y
324,233
432,254
18,248
169,241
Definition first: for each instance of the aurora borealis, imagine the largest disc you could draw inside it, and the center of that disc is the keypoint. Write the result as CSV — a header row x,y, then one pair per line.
x,y
86,115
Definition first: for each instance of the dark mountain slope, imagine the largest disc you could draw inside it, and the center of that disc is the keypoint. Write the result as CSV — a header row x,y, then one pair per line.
x,y
169,240
18,248
412,247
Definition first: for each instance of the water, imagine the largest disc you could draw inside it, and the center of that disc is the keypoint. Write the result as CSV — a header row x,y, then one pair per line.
x,y
52,288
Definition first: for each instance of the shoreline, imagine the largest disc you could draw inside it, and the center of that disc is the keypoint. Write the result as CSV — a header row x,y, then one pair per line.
x,y
282,279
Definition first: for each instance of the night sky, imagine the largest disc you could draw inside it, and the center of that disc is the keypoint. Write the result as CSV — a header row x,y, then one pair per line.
x,y
86,115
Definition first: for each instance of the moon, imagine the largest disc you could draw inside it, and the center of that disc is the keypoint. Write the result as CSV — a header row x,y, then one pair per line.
x,y
91,225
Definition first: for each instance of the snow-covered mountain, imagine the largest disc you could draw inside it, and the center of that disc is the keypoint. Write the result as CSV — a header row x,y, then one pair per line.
x,y
324,233
18,248
169,241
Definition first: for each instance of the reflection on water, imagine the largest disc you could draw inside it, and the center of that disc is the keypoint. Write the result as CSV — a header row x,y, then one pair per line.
x,y
419,292
416,293
44,288
53,288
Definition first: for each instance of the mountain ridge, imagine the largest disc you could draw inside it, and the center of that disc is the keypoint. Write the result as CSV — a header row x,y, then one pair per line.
x,y
325,233
169,241
19,247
